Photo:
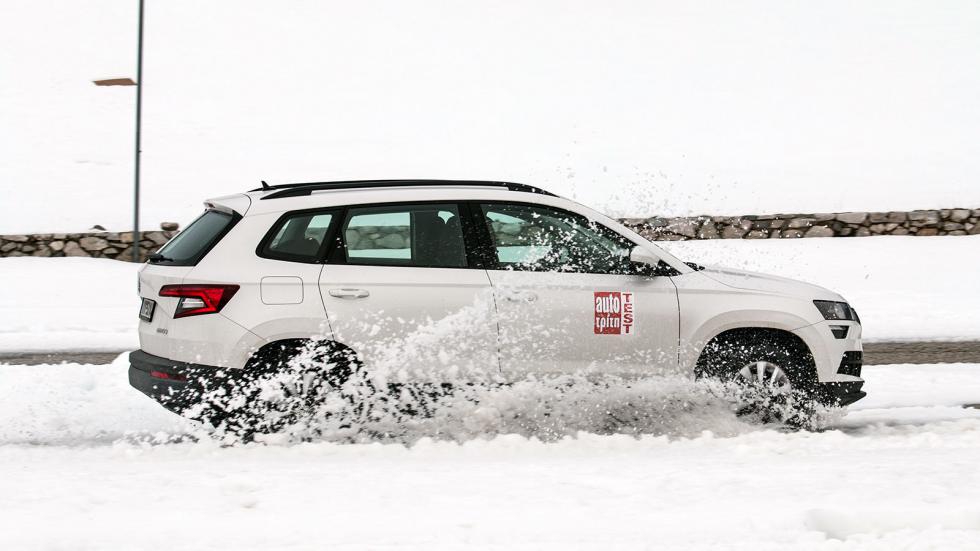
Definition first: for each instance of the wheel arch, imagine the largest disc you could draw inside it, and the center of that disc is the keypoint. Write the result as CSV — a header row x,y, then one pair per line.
x,y
279,331
761,321
756,335
275,350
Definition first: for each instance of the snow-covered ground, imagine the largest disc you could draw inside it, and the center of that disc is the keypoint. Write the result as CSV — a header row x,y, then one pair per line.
x,y
67,304
905,288
635,106
88,463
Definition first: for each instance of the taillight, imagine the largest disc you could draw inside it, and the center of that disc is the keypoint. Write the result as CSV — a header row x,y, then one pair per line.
x,y
196,300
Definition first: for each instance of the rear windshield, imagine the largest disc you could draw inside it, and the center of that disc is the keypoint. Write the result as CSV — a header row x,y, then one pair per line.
x,y
190,245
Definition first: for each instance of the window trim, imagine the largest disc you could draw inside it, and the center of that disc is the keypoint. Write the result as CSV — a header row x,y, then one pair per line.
x,y
490,254
262,250
477,240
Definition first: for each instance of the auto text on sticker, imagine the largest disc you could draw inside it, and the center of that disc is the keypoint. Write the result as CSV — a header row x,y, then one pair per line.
x,y
613,313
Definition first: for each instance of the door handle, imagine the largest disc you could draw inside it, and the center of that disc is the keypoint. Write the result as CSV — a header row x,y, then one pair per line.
x,y
520,296
349,293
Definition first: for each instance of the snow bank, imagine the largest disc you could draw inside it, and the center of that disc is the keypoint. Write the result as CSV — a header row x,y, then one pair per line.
x,y
634,106
50,304
874,480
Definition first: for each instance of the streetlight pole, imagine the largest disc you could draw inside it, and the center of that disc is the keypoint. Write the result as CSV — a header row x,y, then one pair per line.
x,y
139,120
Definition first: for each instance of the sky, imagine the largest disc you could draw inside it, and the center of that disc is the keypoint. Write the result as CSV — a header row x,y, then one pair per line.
x,y
633,107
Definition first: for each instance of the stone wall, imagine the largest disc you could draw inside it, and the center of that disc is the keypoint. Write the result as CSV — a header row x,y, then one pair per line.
x,y
97,245
846,224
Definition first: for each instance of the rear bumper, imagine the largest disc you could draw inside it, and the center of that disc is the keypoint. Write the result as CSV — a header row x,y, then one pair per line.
x,y
175,385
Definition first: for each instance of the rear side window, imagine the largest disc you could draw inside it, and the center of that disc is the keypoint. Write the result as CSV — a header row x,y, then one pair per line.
x,y
299,237
405,235
189,246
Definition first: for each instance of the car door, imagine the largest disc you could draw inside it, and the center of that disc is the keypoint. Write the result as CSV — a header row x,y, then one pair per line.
x,y
568,299
401,291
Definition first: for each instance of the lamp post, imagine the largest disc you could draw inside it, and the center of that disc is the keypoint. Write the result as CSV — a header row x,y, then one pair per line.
x,y
139,121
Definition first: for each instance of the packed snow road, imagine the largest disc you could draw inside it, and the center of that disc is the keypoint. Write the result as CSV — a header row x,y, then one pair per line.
x,y
89,463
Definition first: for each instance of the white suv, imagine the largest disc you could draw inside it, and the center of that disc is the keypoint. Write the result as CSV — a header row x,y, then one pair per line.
x,y
505,278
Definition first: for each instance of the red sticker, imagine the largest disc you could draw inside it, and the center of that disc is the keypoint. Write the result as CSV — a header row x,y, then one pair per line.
x,y
613,313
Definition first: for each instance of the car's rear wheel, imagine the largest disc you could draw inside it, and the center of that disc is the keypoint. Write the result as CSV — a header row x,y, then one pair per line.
x,y
284,384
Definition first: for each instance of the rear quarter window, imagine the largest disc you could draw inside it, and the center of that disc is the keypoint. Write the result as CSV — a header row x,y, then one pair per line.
x,y
298,236
188,247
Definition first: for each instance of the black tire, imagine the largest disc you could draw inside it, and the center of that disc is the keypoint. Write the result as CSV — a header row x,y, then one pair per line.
x,y
750,361
281,385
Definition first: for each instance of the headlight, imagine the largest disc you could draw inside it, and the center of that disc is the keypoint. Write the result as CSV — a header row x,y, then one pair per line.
x,y
836,310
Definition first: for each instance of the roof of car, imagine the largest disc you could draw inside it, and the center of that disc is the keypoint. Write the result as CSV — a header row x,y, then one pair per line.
x,y
301,189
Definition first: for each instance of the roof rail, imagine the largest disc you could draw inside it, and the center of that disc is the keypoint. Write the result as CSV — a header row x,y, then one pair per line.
x,y
297,190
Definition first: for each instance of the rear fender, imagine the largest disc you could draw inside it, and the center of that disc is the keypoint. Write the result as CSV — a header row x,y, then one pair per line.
x,y
293,328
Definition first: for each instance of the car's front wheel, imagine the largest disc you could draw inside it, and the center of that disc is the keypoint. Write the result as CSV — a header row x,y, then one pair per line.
x,y
770,375
763,390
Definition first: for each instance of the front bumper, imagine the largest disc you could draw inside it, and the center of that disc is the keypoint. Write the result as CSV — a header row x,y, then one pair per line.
x,y
847,391
827,349
840,394
838,361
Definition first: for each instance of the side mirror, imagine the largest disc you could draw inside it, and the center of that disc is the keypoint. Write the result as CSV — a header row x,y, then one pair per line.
x,y
639,255
645,263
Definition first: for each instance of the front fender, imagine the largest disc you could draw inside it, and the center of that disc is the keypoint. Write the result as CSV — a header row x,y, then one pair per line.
x,y
709,308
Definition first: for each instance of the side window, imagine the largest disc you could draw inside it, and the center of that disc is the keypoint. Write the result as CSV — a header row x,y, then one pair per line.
x,y
542,239
405,235
299,237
